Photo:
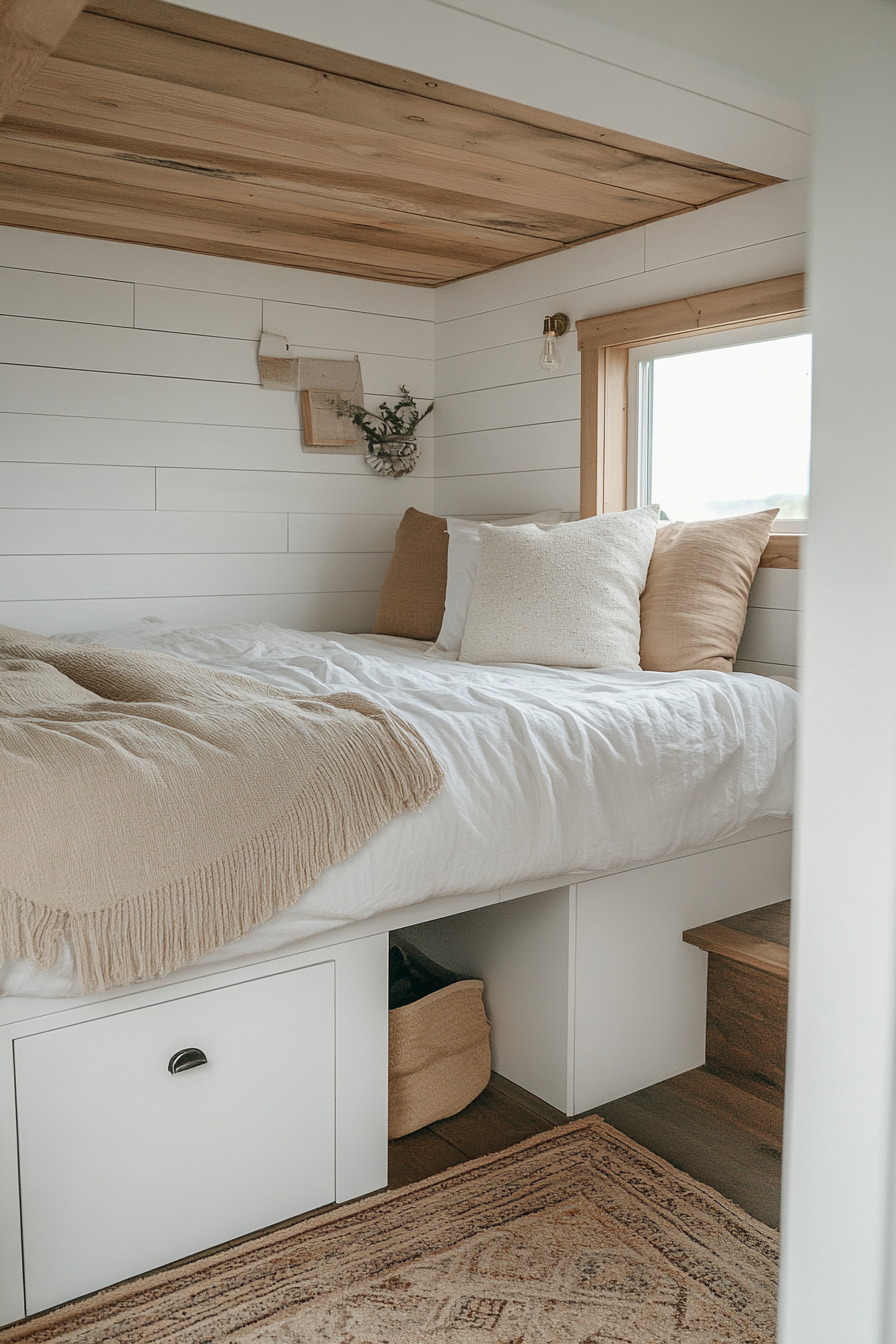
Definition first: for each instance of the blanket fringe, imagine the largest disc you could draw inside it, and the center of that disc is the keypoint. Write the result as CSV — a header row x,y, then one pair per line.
x,y
380,774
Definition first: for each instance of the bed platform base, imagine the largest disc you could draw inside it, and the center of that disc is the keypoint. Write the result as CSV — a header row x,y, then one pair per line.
x,y
114,1161
590,990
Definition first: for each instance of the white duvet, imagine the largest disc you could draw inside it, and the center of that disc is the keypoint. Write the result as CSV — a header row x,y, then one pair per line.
x,y
548,771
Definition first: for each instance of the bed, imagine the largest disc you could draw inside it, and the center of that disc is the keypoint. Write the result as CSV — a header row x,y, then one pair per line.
x,y
587,818
549,771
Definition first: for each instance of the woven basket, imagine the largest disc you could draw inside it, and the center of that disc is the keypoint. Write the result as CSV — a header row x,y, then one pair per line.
x,y
439,1056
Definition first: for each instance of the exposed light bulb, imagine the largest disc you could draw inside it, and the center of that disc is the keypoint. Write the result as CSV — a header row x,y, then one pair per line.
x,y
550,355
554,326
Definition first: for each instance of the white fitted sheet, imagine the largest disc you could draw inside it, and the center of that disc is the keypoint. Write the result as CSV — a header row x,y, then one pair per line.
x,y
548,771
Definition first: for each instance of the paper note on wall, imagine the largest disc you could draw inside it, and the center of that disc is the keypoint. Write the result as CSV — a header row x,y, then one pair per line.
x,y
322,425
279,372
327,380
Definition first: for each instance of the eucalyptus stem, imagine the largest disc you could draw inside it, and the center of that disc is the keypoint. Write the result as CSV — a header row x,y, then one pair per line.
x,y
395,422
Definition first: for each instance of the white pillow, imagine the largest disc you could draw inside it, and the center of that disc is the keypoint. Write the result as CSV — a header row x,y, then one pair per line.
x,y
564,598
463,558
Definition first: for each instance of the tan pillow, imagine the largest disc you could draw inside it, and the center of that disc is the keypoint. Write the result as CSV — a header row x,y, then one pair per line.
x,y
412,598
694,604
29,684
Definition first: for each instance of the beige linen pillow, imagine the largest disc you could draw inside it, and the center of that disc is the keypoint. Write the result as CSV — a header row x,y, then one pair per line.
x,y
694,604
412,598
29,684
564,598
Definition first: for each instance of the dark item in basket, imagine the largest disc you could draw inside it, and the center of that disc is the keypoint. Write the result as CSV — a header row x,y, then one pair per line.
x,y
412,975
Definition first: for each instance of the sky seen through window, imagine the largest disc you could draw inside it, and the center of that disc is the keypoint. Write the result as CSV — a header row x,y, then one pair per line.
x,y
731,430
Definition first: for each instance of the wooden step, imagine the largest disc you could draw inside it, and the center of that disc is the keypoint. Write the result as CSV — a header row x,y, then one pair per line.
x,y
758,938
746,993
771,922
742,947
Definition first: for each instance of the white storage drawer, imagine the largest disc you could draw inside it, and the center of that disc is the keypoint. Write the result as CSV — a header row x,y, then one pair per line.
x,y
125,1165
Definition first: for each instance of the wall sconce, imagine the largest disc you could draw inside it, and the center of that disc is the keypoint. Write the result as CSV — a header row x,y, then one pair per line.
x,y
555,326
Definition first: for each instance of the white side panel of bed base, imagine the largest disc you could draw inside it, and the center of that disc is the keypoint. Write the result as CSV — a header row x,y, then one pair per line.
x,y
589,988
12,1285
359,980
640,992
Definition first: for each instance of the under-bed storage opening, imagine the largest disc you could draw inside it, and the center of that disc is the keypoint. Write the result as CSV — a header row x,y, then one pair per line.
x,y
589,988
127,1163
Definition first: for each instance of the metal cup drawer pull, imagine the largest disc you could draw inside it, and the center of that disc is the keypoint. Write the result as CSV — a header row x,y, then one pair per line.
x,y
190,1058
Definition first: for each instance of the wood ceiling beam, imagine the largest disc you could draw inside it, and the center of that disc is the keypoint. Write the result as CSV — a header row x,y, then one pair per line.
x,y
71,220
174,59
156,14
309,185
309,214
29,31
148,215
106,101
157,124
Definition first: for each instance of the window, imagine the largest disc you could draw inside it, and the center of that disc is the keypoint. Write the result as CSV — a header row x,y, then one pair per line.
x,y
609,479
723,425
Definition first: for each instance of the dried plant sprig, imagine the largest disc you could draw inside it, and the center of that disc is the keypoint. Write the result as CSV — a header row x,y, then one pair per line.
x,y
396,422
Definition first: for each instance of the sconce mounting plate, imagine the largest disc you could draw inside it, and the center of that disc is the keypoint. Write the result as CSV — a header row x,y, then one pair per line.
x,y
556,325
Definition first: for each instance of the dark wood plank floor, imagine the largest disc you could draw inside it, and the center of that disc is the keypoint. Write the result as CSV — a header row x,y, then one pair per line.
x,y
698,1122
500,1117
721,1135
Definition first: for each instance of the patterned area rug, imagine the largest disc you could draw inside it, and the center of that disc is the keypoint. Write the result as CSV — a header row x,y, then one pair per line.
x,y
578,1236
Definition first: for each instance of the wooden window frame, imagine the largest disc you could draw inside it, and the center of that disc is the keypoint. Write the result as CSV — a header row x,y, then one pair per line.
x,y
605,343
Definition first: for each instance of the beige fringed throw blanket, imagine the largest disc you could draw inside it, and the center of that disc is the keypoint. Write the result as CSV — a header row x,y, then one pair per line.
x,y
153,809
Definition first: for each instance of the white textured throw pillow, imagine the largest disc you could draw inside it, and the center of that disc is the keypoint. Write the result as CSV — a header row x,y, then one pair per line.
x,y
564,598
463,559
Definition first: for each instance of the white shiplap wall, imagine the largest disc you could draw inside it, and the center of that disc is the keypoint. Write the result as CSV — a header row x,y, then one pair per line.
x,y
143,471
508,433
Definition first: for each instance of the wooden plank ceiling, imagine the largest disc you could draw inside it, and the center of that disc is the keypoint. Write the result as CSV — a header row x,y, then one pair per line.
x,y
154,124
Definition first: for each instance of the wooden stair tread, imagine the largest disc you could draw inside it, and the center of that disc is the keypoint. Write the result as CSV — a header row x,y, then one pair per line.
x,y
746,948
771,922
